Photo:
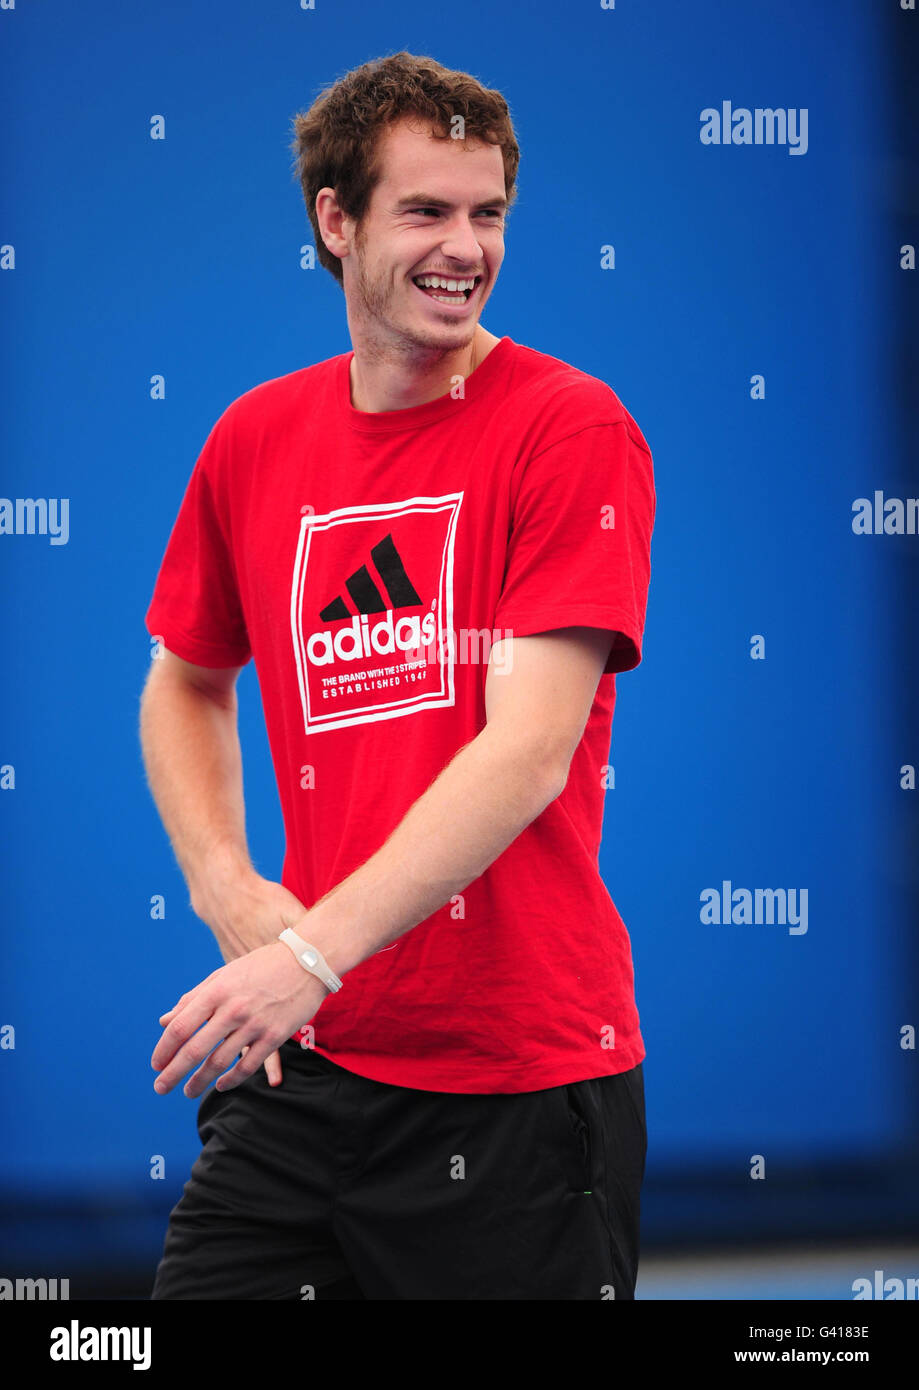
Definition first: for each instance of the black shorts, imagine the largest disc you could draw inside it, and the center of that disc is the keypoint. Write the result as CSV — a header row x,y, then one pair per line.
x,y
334,1186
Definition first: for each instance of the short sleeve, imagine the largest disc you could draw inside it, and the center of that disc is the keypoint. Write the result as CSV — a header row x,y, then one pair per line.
x,y
196,609
579,550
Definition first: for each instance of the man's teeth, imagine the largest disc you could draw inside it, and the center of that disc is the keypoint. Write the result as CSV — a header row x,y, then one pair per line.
x,y
455,288
437,282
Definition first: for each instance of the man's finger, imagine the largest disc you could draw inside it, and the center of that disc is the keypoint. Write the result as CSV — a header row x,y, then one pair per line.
x,y
186,997
273,1068
178,1058
229,1050
181,1028
182,999
249,1062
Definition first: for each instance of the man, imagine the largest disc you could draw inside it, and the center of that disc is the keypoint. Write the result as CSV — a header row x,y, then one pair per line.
x,y
437,1089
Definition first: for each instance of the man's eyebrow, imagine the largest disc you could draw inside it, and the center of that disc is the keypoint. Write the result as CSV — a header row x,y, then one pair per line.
x,y
425,200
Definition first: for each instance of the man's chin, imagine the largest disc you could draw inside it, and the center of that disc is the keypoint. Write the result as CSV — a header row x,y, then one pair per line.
x,y
418,331
444,335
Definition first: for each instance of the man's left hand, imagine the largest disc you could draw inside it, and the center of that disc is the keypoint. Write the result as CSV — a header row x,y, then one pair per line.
x,y
254,1003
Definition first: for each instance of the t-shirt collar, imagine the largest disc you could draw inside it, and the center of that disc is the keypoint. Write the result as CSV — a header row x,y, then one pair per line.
x,y
387,421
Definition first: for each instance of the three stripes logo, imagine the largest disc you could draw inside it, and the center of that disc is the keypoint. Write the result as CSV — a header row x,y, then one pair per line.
x,y
364,593
372,610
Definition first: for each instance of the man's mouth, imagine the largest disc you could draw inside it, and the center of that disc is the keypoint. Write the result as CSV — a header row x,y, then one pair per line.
x,y
448,289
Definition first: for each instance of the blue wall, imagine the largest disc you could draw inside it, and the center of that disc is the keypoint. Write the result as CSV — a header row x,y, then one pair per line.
x,y
136,257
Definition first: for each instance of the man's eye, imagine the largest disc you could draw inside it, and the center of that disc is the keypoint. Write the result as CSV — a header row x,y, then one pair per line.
x,y
488,212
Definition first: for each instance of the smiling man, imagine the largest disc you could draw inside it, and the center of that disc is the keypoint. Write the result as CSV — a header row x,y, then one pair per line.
x,y
436,550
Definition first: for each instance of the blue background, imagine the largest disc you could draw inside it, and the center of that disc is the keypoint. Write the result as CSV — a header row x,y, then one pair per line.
x,y
136,257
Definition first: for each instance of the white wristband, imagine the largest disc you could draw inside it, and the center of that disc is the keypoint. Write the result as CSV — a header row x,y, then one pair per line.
x,y
311,959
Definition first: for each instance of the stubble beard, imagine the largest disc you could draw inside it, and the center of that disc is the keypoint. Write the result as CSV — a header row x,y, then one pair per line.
x,y
376,298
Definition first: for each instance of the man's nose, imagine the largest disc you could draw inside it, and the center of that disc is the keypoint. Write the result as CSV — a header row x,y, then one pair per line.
x,y
461,243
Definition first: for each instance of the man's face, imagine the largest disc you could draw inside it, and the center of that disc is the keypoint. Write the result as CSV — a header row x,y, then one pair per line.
x,y
438,210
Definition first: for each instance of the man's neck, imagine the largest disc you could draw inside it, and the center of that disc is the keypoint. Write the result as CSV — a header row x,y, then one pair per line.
x,y
383,382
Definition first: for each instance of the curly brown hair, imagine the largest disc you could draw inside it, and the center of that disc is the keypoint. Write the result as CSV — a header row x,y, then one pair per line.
x,y
335,142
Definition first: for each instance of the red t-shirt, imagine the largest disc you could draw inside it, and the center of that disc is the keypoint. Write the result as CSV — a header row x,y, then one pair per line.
x,y
355,556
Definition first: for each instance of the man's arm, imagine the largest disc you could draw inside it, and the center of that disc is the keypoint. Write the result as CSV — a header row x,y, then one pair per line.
x,y
193,761
190,745
537,705
487,794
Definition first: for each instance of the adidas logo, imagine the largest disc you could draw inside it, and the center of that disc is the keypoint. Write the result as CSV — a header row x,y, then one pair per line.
x,y
359,641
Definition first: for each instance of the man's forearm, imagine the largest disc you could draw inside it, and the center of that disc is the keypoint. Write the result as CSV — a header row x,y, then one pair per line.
x,y
486,795
479,803
193,762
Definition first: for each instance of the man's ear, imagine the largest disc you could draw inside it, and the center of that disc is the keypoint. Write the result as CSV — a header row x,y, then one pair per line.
x,y
336,229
